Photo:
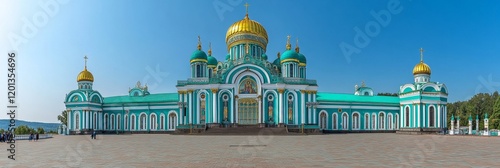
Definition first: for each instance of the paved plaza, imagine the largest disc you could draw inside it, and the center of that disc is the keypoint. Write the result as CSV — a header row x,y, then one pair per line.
x,y
339,150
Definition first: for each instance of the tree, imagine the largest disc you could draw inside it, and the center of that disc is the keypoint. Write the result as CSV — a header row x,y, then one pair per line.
x,y
40,130
23,129
495,116
387,94
2,130
63,117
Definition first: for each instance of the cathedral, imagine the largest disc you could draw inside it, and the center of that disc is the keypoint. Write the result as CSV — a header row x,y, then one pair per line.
x,y
248,88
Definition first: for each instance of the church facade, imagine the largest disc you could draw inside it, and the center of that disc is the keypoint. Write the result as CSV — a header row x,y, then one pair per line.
x,y
249,88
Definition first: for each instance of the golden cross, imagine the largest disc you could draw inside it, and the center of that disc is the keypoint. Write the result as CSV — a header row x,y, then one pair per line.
x,y
85,61
421,54
246,6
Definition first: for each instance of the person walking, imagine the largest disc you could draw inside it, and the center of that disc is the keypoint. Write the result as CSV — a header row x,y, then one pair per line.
x,y
37,136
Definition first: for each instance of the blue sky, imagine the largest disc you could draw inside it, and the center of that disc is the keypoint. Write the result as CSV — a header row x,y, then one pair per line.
x,y
130,41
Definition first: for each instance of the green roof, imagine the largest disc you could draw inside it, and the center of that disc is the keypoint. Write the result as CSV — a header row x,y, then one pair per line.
x,y
152,98
339,97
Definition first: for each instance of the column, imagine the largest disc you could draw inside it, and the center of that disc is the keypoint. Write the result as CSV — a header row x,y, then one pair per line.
x,y
214,101
68,121
418,115
401,117
314,107
439,116
414,113
260,109
303,107
190,102
102,122
280,104
235,111
181,107
309,113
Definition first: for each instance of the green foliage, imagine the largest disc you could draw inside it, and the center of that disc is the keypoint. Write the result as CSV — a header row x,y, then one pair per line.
x,y
387,94
23,129
2,130
40,130
63,117
479,104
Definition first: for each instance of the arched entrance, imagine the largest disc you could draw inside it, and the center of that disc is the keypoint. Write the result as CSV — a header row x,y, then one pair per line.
x,y
248,111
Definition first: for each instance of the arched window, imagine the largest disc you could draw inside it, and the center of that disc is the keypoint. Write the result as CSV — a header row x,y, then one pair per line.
x,y
106,122
132,122
291,70
355,121
118,122
381,122
162,121
112,121
77,121
374,122
345,122
322,121
198,70
367,121
143,122
153,122
407,116
334,121
172,121
389,121
126,122
431,116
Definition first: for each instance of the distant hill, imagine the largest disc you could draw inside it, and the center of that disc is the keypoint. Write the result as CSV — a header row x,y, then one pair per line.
x,y
4,124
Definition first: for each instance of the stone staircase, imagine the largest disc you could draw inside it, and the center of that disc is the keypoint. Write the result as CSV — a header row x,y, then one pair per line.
x,y
247,130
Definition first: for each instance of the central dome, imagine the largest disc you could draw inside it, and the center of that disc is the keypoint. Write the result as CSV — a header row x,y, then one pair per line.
x,y
246,26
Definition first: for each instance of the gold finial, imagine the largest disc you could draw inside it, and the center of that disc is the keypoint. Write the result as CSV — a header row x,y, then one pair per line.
x,y
297,46
421,55
279,54
288,45
363,84
246,6
85,62
199,43
209,49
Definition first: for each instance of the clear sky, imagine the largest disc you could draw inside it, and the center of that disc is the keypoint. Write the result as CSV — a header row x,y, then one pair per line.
x,y
151,41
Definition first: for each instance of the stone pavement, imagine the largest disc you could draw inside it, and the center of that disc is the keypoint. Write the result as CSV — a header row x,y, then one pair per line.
x,y
334,150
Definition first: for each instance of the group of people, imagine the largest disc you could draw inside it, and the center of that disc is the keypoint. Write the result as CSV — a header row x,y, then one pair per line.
x,y
93,135
34,137
6,136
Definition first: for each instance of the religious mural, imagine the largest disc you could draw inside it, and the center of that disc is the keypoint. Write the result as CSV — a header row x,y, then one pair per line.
x,y
248,86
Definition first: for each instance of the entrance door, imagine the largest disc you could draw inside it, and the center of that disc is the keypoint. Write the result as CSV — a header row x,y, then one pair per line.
x,y
248,111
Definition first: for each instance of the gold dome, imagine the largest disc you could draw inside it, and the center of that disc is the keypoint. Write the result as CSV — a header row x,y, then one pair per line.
x,y
85,76
246,26
422,68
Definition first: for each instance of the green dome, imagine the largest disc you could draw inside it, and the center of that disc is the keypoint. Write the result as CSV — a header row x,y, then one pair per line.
x,y
277,62
212,60
198,56
289,55
264,56
228,56
302,58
